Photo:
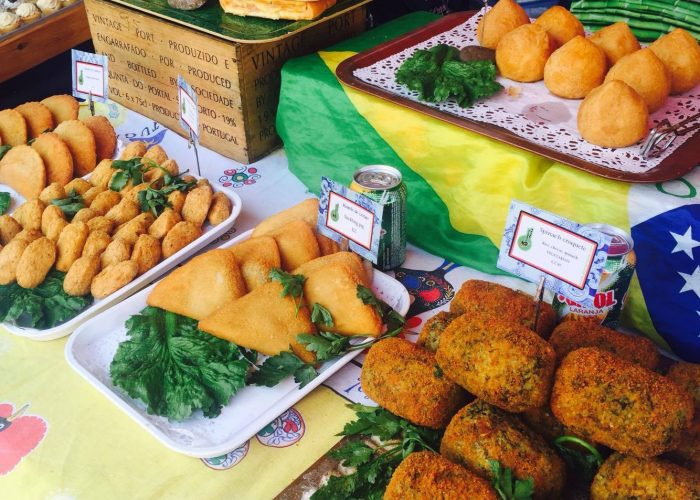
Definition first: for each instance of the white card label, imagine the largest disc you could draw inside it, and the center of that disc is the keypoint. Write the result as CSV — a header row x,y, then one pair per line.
x,y
570,256
350,220
89,75
189,111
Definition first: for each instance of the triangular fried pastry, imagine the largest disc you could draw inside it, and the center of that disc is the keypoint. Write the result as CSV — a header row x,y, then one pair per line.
x,y
263,320
256,257
201,286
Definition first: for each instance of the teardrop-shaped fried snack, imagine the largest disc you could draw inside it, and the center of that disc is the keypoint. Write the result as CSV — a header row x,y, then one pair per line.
x,y
503,18
680,53
561,24
646,74
575,69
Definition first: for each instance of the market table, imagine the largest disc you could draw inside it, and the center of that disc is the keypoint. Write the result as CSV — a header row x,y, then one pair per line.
x,y
66,440
460,185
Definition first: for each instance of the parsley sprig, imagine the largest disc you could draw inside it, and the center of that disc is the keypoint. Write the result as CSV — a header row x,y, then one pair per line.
x,y
127,170
4,149
70,205
584,458
375,465
156,199
507,486
4,202
326,345
320,315
292,285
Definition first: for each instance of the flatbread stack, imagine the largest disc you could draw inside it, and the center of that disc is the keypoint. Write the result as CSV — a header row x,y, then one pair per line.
x,y
295,10
49,144
232,294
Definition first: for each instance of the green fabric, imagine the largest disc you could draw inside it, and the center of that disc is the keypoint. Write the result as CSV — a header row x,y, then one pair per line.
x,y
647,19
308,86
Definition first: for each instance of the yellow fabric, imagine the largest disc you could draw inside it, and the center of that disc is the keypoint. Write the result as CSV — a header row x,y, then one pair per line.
x,y
477,188
94,450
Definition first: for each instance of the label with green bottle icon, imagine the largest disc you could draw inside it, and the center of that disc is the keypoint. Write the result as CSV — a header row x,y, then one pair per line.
x,y
569,256
89,75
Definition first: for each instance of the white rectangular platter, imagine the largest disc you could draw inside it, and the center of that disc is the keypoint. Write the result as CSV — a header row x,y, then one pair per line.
x,y
91,348
210,233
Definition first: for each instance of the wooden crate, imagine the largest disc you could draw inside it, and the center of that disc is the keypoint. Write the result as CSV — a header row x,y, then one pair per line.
x,y
237,83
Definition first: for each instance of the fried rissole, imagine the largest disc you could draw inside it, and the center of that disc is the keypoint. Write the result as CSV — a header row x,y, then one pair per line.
x,y
404,378
624,477
201,286
612,401
335,287
505,364
571,335
425,474
480,432
503,302
256,257
307,211
349,259
297,244
429,336
263,320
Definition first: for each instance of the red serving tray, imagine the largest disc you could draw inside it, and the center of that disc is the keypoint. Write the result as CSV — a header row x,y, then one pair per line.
x,y
683,160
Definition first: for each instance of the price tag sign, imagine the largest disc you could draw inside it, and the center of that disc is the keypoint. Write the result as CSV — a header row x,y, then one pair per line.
x,y
539,244
347,214
89,75
189,111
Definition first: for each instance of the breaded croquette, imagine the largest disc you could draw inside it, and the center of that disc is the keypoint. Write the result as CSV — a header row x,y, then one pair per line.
x,y
687,453
404,378
500,301
612,401
432,329
480,432
687,375
427,475
571,335
502,362
544,423
623,477
112,278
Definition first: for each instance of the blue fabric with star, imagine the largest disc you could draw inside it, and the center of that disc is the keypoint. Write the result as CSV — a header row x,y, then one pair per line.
x,y
668,267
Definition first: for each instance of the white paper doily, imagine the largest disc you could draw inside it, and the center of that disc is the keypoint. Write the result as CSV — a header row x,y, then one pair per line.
x,y
533,112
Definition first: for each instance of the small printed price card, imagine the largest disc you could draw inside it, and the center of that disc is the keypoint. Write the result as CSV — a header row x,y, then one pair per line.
x,y
347,214
89,75
570,256
189,111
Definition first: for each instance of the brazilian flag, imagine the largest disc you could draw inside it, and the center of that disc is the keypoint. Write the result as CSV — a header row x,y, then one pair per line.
x,y
460,184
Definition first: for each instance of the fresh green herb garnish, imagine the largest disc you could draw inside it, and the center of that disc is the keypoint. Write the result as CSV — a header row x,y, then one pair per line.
x,y
375,465
391,318
320,315
277,368
156,200
4,149
438,74
292,284
42,307
70,205
585,461
128,170
175,368
4,202
507,486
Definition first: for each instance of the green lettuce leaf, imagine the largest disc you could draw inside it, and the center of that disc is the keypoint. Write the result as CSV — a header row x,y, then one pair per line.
x,y
175,368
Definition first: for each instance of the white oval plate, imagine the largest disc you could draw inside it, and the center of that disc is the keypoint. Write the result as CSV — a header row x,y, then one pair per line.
x,y
92,347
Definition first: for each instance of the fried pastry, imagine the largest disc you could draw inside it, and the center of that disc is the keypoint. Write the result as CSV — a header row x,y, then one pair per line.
x,y
256,257
201,286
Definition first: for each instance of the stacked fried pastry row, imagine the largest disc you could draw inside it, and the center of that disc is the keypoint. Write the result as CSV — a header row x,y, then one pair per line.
x,y
50,145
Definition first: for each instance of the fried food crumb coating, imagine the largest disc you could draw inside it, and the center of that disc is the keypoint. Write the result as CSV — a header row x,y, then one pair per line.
x,y
480,432
506,303
623,477
611,401
404,378
571,335
432,329
425,474
687,375
505,364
